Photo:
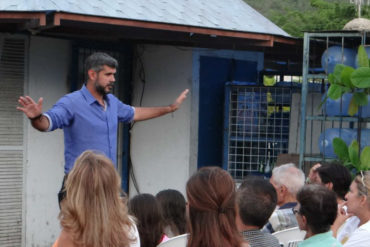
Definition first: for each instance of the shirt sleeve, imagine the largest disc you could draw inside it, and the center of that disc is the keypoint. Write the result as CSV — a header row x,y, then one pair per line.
x,y
125,112
60,115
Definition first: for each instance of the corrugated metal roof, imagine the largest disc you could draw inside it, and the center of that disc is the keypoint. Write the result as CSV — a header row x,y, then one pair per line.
x,y
221,14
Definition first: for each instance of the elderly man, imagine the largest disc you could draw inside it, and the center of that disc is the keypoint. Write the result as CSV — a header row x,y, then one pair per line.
x,y
256,200
287,180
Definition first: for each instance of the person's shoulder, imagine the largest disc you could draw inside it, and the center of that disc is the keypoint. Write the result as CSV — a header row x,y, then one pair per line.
x,y
70,97
269,236
366,227
65,240
244,244
111,96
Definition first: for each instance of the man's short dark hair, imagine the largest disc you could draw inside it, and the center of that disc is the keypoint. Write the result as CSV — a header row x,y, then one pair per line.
x,y
97,60
256,200
337,174
319,206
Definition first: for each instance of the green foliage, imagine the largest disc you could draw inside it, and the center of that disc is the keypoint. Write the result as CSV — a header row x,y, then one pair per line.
x,y
353,151
361,77
341,150
365,159
345,79
362,57
297,16
350,155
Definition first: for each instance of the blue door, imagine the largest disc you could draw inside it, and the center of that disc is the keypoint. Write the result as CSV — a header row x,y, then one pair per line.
x,y
214,73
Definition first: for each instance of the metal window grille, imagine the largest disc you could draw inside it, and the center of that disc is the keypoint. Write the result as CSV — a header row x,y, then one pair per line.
x,y
258,128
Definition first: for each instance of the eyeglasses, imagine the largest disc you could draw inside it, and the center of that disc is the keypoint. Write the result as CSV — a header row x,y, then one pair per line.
x,y
295,211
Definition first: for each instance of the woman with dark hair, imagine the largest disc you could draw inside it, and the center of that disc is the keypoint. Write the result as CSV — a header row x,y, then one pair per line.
x,y
336,177
315,212
211,210
173,207
146,210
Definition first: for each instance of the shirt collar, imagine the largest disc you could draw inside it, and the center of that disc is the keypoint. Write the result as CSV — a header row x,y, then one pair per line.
x,y
88,96
317,238
288,205
251,232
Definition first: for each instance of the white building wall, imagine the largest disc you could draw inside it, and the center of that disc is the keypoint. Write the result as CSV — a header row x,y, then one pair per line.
x,y
47,77
160,147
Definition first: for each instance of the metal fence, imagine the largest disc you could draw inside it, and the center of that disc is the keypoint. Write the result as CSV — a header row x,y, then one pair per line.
x,y
257,128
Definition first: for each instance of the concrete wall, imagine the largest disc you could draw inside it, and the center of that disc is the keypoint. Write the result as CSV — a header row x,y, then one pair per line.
x,y
47,77
160,147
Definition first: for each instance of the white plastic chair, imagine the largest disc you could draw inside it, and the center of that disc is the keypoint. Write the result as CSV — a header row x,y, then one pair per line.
x,y
178,241
290,237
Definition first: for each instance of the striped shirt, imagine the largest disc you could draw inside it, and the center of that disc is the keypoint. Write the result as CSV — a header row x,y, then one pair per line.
x,y
257,238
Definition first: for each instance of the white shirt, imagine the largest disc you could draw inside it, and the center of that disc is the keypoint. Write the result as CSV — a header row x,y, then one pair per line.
x,y
360,237
346,230
135,234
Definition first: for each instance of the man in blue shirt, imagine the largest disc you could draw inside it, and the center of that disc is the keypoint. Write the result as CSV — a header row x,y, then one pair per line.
x,y
89,117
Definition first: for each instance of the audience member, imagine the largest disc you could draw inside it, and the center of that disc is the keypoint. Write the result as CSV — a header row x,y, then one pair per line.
x,y
358,204
173,207
336,177
287,179
93,214
315,213
256,200
146,210
211,209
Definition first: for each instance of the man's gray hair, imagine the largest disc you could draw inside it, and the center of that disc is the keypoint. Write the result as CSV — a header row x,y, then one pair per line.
x,y
289,176
97,60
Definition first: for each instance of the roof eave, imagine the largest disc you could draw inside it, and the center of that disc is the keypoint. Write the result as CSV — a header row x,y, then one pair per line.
x,y
268,38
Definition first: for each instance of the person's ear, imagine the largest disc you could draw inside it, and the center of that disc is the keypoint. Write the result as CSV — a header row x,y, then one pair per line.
x,y
283,189
329,185
363,201
304,219
92,74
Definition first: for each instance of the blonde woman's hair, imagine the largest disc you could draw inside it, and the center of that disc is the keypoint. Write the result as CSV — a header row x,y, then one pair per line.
x,y
93,213
363,184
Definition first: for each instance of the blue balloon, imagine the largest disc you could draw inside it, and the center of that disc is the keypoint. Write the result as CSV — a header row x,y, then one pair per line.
x,y
340,106
347,135
336,55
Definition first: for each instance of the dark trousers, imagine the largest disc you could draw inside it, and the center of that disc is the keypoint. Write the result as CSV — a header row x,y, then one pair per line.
x,y
62,192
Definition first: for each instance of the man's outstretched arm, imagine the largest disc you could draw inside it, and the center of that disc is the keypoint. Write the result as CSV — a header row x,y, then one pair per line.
x,y
33,111
144,113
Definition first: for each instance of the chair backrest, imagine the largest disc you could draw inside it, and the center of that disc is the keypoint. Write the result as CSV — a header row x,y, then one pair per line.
x,y
178,241
290,237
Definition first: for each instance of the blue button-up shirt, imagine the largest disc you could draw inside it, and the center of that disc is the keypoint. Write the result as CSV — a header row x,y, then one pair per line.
x,y
87,125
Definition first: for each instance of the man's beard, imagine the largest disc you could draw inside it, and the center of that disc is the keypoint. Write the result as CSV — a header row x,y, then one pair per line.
x,y
101,90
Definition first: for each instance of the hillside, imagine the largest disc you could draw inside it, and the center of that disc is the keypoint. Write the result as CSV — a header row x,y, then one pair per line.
x,y
269,7
297,16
